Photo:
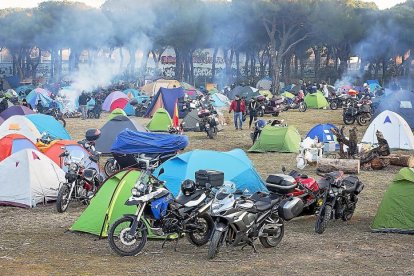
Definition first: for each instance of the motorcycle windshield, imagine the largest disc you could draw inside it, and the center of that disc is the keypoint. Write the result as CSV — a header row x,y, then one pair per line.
x,y
77,156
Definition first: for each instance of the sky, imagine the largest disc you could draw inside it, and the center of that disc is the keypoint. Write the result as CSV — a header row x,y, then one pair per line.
x,y
382,4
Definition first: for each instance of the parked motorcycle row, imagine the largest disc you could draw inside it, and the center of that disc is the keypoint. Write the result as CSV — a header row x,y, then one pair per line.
x,y
278,104
210,210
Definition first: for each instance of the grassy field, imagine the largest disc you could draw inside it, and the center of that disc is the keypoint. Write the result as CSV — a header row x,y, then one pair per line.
x,y
36,242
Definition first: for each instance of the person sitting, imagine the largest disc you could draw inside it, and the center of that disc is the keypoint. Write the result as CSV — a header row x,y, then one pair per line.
x,y
39,107
26,104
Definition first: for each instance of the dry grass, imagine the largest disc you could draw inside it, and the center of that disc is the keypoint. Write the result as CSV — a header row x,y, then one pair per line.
x,y
36,241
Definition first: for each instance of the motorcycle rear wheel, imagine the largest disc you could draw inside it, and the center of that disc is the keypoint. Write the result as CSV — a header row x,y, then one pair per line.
x,y
212,132
348,213
215,242
323,219
363,119
201,238
273,241
62,200
120,234
110,167
333,106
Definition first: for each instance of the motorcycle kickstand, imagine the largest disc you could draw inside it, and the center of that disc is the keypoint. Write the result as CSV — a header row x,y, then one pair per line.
x,y
251,243
176,244
165,240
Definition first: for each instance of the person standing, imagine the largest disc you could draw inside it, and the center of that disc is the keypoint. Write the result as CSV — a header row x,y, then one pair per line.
x,y
325,90
83,104
252,111
238,106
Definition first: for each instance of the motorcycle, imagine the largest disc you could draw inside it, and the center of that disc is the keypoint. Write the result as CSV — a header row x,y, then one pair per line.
x,y
208,121
339,101
273,106
57,114
81,182
158,213
339,199
358,110
297,103
239,222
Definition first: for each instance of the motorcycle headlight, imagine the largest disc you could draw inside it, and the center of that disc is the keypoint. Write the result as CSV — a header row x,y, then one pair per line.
x,y
73,166
135,192
141,187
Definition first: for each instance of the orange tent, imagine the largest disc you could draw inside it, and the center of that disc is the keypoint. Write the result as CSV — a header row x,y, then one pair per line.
x,y
55,148
13,143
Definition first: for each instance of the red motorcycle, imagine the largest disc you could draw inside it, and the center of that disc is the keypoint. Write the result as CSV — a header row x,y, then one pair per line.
x,y
296,103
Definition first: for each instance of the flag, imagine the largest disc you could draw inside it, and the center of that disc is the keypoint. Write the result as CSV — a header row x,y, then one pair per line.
x,y
176,120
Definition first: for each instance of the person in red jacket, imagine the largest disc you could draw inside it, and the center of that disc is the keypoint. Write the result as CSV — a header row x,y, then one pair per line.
x,y
239,107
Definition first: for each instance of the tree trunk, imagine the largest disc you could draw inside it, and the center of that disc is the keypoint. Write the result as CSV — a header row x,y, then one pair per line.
x,y
121,62
317,65
326,165
384,69
132,60
143,67
246,65
213,64
252,66
401,160
296,65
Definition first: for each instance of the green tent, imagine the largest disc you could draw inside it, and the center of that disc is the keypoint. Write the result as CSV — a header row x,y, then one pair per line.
x,y
396,211
116,112
160,121
316,100
213,91
108,204
288,95
276,138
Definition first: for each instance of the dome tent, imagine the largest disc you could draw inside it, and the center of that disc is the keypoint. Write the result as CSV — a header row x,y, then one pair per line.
x,y
49,125
116,112
161,121
12,143
16,110
278,139
316,100
323,132
111,98
19,124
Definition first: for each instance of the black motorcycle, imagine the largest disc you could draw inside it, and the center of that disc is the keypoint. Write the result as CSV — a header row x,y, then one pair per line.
x,y
339,198
208,121
339,101
360,111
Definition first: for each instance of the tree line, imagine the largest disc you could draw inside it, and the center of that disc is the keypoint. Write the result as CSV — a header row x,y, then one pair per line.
x,y
276,36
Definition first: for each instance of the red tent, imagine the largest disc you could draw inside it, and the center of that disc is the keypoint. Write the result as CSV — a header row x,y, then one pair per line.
x,y
118,103
13,143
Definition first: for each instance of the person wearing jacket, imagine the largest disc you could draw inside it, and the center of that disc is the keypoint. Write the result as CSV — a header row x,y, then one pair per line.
x,y
83,104
239,107
252,111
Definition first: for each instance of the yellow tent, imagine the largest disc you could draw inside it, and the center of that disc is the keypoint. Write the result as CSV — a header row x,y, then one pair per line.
x,y
152,88
266,93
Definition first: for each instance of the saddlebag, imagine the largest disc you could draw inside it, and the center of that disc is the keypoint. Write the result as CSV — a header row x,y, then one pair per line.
x,y
214,178
92,134
351,181
290,208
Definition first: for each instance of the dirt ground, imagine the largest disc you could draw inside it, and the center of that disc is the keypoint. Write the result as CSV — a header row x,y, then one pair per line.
x,y
36,241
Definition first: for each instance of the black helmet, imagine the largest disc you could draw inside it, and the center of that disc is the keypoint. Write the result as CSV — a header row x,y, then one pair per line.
x,y
188,187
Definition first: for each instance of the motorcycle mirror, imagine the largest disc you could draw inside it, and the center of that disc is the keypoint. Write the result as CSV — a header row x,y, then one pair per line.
x,y
161,172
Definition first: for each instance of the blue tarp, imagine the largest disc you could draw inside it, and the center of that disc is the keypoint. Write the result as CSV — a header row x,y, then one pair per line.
x,y
129,142
235,164
323,132
168,97
48,124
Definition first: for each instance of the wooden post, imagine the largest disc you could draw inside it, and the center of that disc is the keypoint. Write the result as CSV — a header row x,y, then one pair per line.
x,y
326,165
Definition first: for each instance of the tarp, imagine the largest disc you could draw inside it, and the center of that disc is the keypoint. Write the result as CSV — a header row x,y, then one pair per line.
x,y
108,204
323,132
116,112
19,124
28,178
129,142
111,98
235,164
13,143
191,121
161,121
152,88
394,128
396,212
316,100
49,125
165,98
276,138
16,110
112,128
243,91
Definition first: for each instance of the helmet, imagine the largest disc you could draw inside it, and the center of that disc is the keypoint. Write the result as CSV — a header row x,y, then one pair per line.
x,y
188,187
261,124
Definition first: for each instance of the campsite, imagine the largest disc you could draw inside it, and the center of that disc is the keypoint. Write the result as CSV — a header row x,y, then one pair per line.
x,y
206,137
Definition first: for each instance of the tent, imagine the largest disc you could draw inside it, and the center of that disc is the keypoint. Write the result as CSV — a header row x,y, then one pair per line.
x,y
55,148
13,143
19,124
33,98
111,129
316,100
396,213
119,103
265,83
266,93
111,98
288,95
116,112
49,125
108,204
15,110
400,102
21,90
243,91
28,178
235,164
152,88
165,98
129,109
213,91
161,121
276,138
394,128
1,120
191,121
323,132
220,100
131,93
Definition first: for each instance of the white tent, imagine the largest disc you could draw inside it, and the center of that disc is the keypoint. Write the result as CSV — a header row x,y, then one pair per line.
x,y
19,124
29,177
395,129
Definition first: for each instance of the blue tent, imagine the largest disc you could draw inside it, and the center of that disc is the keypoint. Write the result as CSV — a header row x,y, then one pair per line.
x,y
165,98
130,142
24,88
48,124
235,164
33,97
131,93
323,132
217,101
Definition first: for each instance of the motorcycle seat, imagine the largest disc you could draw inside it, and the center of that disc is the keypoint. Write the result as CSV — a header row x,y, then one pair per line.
x,y
323,184
264,201
263,205
183,199
351,187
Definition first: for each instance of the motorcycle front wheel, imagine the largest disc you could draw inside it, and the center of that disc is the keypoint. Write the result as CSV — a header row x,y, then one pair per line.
x,y
202,236
111,167
363,119
348,120
323,219
122,242
212,132
215,242
303,107
275,233
62,200
333,106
